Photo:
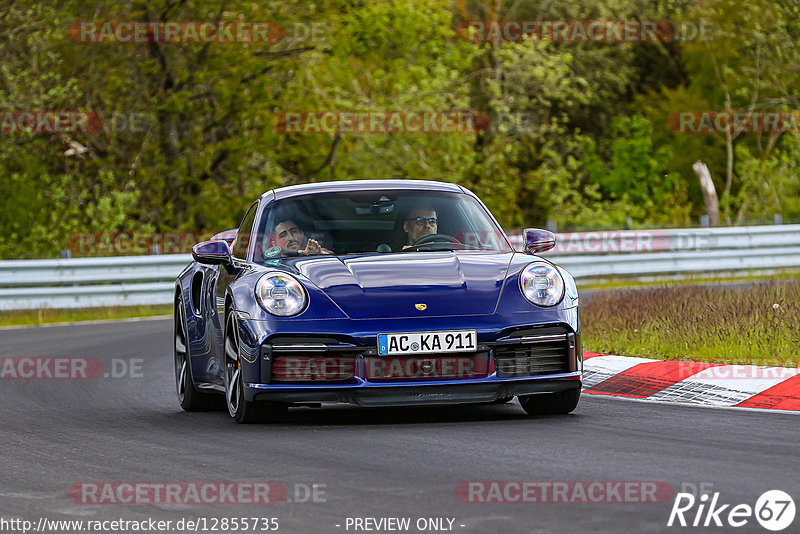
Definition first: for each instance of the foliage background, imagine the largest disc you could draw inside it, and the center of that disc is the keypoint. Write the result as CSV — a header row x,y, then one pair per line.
x,y
593,151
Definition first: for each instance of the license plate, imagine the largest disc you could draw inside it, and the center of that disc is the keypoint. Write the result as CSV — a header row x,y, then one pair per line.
x,y
427,342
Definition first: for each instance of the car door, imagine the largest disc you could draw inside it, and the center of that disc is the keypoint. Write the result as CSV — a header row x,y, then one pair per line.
x,y
227,275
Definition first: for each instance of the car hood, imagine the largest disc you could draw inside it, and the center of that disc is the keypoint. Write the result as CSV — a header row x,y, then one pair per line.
x,y
397,285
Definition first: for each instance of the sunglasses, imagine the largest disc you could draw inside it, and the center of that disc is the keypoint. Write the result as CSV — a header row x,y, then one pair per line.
x,y
422,220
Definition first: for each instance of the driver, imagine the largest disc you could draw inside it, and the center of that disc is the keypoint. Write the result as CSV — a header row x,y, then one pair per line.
x,y
420,222
292,241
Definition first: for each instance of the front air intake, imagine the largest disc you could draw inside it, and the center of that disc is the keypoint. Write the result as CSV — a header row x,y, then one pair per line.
x,y
537,354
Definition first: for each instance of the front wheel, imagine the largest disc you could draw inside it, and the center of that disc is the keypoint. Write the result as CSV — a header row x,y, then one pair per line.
x,y
552,404
241,410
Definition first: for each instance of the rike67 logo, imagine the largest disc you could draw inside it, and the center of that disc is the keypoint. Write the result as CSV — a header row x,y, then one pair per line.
x,y
774,510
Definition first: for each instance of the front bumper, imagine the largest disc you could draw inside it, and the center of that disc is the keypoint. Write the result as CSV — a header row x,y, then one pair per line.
x,y
522,360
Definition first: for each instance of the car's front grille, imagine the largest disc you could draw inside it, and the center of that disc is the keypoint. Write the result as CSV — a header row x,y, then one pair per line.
x,y
526,361
519,352
534,353
308,359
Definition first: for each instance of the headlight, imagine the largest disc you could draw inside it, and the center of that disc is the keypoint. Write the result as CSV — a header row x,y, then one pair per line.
x,y
542,284
281,294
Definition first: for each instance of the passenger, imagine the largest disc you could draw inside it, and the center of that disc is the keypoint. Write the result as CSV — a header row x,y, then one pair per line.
x,y
293,241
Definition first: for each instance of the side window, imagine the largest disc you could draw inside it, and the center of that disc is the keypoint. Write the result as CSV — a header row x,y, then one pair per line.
x,y
245,232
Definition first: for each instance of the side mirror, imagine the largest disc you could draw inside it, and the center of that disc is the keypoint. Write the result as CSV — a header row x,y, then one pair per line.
x,y
212,253
536,240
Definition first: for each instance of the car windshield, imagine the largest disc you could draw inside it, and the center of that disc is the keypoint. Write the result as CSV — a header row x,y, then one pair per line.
x,y
376,222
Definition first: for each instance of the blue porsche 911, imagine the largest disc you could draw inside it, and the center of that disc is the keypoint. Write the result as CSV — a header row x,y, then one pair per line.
x,y
374,293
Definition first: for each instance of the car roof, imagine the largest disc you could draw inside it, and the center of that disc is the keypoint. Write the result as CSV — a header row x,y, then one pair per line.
x,y
360,185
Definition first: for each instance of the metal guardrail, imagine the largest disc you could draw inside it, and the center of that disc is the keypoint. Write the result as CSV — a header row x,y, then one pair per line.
x,y
89,282
148,280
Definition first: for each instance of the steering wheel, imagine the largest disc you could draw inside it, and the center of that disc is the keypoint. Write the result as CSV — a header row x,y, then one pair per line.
x,y
437,238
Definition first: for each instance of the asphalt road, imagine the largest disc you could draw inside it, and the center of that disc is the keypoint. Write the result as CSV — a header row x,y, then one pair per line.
x,y
369,462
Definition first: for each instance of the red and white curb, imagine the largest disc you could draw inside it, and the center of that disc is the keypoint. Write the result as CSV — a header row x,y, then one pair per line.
x,y
743,386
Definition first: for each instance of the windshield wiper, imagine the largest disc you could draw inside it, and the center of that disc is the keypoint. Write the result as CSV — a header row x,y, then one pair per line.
x,y
439,247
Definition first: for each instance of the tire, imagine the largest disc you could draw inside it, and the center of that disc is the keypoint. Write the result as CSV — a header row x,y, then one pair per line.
x,y
190,399
552,404
241,410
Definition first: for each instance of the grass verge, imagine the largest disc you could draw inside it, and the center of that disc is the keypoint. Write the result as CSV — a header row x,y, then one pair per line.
x,y
758,324
38,317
